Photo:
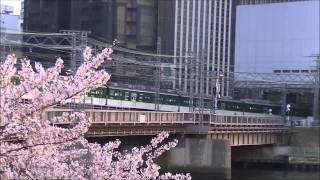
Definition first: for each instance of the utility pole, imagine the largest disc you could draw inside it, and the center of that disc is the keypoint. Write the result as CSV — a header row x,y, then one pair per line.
x,y
191,63
284,100
78,43
201,99
316,90
158,76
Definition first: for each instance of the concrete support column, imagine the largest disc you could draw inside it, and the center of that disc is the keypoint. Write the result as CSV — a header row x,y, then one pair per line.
x,y
199,155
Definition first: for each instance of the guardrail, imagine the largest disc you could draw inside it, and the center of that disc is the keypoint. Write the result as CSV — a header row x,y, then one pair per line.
x,y
151,117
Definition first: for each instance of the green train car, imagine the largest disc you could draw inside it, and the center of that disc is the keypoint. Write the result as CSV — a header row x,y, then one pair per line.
x,y
128,98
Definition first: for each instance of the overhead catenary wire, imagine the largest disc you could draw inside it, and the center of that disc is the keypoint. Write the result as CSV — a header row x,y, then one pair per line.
x,y
125,61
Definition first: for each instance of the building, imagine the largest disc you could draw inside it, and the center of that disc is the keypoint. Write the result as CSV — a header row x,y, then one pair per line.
x,y
276,38
132,23
136,24
198,33
46,15
279,39
9,23
246,2
203,30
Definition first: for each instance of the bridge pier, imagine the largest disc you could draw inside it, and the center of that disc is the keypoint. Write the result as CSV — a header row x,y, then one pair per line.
x,y
199,155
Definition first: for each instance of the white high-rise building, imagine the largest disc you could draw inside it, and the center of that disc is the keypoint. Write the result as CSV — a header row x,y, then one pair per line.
x,y
9,22
278,37
202,29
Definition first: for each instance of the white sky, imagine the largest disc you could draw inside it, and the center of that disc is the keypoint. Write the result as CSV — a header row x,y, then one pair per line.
x,y
15,3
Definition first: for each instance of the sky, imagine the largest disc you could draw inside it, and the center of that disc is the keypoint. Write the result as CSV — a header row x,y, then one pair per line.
x,y
15,3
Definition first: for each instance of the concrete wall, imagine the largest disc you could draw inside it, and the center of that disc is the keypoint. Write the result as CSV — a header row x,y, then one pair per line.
x,y
299,146
304,146
305,137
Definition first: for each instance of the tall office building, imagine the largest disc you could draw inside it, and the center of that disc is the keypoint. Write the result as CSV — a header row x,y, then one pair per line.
x,y
280,39
288,33
9,23
204,30
131,22
183,28
46,16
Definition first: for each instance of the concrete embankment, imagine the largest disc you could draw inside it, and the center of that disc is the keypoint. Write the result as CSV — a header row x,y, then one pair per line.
x,y
299,150
304,147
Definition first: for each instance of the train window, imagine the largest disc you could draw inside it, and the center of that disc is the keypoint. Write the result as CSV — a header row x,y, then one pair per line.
x,y
147,97
141,97
223,105
111,92
133,96
126,96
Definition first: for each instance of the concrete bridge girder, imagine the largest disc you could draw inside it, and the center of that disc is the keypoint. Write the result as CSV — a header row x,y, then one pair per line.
x,y
239,130
247,138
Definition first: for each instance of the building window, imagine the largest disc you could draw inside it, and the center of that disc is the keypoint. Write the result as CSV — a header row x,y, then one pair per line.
x,y
276,71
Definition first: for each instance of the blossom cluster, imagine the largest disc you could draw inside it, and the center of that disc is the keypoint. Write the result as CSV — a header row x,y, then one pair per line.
x,y
32,147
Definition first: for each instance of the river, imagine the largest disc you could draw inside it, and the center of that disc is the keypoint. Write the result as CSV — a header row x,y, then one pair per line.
x,y
261,174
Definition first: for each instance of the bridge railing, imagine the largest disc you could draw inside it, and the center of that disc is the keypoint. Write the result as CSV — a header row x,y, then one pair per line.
x,y
151,117
243,120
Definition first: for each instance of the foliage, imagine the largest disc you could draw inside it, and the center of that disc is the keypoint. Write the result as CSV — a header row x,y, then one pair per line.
x,y
34,148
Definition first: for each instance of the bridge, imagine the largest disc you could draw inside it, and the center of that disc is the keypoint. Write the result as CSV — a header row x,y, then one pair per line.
x,y
239,130
212,135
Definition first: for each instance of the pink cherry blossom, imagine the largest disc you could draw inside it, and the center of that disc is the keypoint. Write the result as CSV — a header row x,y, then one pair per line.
x,y
32,147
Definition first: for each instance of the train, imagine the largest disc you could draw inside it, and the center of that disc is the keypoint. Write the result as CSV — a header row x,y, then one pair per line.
x,y
145,100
